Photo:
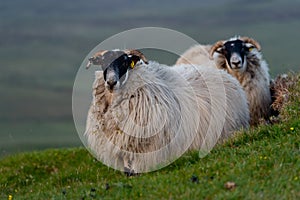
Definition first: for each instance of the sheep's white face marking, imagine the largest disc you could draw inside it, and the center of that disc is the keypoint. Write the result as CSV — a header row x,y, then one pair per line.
x,y
236,61
112,81
244,64
125,80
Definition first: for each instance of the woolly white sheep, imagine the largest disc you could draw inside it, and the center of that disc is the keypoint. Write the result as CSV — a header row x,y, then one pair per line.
x,y
143,116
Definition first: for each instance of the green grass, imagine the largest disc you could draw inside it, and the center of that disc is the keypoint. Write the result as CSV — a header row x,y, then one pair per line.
x,y
263,162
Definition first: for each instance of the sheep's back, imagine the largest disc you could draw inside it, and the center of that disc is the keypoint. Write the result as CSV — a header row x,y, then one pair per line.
x,y
198,55
220,98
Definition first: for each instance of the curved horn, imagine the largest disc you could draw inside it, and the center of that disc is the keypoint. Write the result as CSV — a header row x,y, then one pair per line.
x,y
100,53
215,47
93,59
136,53
251,41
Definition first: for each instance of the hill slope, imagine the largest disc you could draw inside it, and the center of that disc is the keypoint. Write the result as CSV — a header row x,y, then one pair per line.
x,y
262,163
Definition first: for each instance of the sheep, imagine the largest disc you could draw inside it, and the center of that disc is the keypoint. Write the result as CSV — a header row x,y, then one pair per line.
x,y
145,115
241,57
197,54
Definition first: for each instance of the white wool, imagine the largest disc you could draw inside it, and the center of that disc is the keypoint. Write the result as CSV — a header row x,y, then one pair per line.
x,y
198,54
160,113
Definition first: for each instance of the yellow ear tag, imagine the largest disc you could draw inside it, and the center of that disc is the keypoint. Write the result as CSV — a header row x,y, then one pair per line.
x,y
132,64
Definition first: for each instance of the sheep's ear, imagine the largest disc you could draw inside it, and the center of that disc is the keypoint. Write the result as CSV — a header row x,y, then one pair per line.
x,y
248,40
221,50
134,52
93,61
96,58
217,47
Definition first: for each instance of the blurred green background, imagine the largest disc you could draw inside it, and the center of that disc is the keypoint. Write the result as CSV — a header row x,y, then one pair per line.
x,y
43,43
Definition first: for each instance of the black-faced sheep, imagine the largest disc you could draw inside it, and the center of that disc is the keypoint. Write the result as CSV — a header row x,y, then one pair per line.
x,y
241,57
143,116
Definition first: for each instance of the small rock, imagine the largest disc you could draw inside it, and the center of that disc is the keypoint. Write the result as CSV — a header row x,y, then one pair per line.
x,y
93,193
107,186
230,185
194,179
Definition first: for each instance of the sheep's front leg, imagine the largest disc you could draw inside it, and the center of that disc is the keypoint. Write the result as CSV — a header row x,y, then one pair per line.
x,y
129,167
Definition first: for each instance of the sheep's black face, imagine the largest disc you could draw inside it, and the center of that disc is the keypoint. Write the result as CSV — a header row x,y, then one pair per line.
x,y
115,66
235,53
115,69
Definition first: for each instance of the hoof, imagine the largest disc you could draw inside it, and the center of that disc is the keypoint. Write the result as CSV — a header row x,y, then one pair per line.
x,y
129,172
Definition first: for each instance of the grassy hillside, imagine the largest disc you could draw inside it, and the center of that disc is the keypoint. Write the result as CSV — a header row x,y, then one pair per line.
x,y
262,163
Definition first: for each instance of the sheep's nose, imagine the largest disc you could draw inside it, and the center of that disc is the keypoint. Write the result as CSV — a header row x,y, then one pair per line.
x,y
236,62
111,83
